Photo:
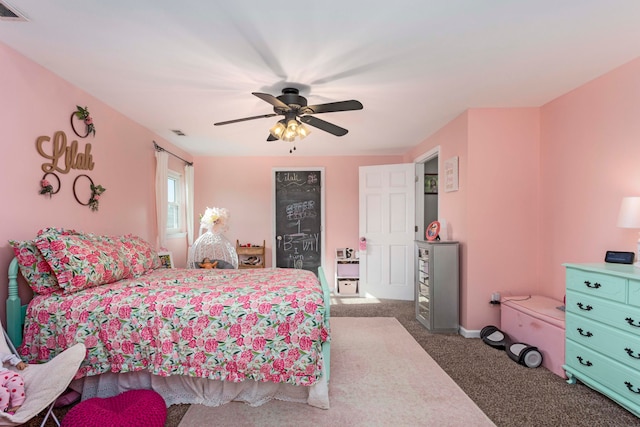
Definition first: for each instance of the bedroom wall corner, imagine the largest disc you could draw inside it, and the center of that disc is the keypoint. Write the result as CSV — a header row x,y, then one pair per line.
x,y
35,102
250,204
589,150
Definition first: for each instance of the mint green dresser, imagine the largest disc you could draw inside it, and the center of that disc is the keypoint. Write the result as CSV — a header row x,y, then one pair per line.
x,y
603,330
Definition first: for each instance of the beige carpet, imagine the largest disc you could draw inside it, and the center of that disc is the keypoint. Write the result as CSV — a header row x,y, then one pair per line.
x,y
380,376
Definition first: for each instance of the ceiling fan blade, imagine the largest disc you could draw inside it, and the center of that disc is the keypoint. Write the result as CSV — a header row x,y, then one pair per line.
x,y
334,106
271,138
272,100
322,125
245,119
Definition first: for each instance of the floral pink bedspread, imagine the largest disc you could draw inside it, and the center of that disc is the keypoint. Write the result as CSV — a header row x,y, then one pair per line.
x,y
232,325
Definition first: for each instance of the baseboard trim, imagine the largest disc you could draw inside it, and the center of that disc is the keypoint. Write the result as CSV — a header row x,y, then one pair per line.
x,y
469,333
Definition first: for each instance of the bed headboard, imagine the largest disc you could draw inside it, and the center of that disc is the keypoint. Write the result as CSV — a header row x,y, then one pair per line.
x,y
15,310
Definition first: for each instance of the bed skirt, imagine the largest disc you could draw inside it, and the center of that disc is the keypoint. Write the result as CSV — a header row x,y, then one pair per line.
x,y
191,390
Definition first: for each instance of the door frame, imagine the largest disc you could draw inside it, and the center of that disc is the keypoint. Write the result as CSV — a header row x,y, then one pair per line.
x,y
419,162
319,169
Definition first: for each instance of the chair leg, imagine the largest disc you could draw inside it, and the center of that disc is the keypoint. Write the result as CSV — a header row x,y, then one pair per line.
x,y
50,414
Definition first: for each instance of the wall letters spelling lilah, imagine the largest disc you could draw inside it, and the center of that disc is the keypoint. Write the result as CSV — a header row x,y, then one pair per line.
x,y
69,155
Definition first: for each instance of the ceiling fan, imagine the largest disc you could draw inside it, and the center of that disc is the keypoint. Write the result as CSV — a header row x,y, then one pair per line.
x,y
295,110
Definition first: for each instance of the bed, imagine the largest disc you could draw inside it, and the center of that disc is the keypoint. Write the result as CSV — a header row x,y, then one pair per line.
x,y
195,336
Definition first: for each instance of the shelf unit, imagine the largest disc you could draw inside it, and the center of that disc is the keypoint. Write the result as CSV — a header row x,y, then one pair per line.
x,y
247,253
347,272
437,285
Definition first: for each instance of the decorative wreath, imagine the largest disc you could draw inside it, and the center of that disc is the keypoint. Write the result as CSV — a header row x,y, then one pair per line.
x,y
96,191
83,114
45,185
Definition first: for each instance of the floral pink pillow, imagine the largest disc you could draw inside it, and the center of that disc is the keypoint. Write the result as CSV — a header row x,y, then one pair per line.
x,y
139,255
34,268
82,261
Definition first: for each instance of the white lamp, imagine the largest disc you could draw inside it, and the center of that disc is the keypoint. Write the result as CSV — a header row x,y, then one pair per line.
x,y
629,217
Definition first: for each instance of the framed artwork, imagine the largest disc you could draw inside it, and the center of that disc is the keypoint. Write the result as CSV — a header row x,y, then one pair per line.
x,y
451,174
430,183
433,230
166,259
341,253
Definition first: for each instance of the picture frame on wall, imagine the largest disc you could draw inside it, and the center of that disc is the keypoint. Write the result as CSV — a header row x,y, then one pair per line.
x,y
430,183
451,174
166,259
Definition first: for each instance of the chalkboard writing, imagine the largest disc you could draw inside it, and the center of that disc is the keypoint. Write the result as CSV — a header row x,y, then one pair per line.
x,y
298,219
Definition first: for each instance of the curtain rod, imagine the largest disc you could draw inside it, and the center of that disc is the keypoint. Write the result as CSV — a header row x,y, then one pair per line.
x,y
158,148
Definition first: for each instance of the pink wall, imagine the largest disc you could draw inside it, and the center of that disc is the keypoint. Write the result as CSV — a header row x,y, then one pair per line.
x,y
35,102
494,213
590,153
539,186
243,185
503,209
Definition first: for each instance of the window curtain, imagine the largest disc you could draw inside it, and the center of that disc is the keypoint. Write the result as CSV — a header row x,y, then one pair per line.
x,y
188,183
162,197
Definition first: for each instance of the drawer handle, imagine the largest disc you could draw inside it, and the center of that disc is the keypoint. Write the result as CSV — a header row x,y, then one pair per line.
x,y
587,363
631,322
587,334
582,307
594,286
631,388
630,353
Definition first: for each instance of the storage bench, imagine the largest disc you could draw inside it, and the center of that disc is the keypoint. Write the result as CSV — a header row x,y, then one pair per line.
x,y
537,321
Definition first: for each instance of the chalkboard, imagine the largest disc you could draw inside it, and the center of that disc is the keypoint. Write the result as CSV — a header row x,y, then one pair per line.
x,y
298,219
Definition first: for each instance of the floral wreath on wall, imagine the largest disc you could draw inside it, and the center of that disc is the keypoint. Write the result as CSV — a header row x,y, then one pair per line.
x,y
96,191
84,115
45,185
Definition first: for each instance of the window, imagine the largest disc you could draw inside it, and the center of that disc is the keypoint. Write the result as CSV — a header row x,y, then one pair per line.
x,y
175,203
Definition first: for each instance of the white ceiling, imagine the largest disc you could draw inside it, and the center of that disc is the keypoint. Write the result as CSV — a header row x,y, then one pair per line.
x,y
415,65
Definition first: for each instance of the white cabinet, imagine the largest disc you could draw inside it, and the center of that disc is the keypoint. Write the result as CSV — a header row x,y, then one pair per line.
x,y
347,276
437,285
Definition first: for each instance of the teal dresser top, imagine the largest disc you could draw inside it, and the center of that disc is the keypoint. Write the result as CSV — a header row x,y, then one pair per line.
x,y
627,271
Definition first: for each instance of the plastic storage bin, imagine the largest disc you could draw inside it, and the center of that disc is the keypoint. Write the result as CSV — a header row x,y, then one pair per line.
x,y
347,287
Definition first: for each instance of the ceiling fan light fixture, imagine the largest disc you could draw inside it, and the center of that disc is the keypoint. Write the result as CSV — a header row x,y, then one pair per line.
x,y
292,126
278,129
303,131
288,136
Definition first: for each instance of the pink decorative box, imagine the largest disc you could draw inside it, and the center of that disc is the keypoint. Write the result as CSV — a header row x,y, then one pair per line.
x,y
537,321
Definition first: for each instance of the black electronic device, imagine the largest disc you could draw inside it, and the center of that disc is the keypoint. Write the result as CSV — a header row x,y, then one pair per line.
x,y
519,352
618,257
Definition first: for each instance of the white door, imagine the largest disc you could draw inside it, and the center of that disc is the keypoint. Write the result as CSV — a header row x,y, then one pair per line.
x,y
387,223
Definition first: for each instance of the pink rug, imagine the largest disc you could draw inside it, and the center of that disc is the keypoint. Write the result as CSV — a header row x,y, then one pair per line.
x,y
380,376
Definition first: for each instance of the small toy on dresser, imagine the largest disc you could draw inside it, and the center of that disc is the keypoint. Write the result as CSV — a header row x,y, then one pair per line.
x,y
11,384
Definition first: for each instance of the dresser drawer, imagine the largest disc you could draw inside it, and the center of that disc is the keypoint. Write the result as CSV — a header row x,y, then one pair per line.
x,y
634,292
619,379
604,339
597,284
620,316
